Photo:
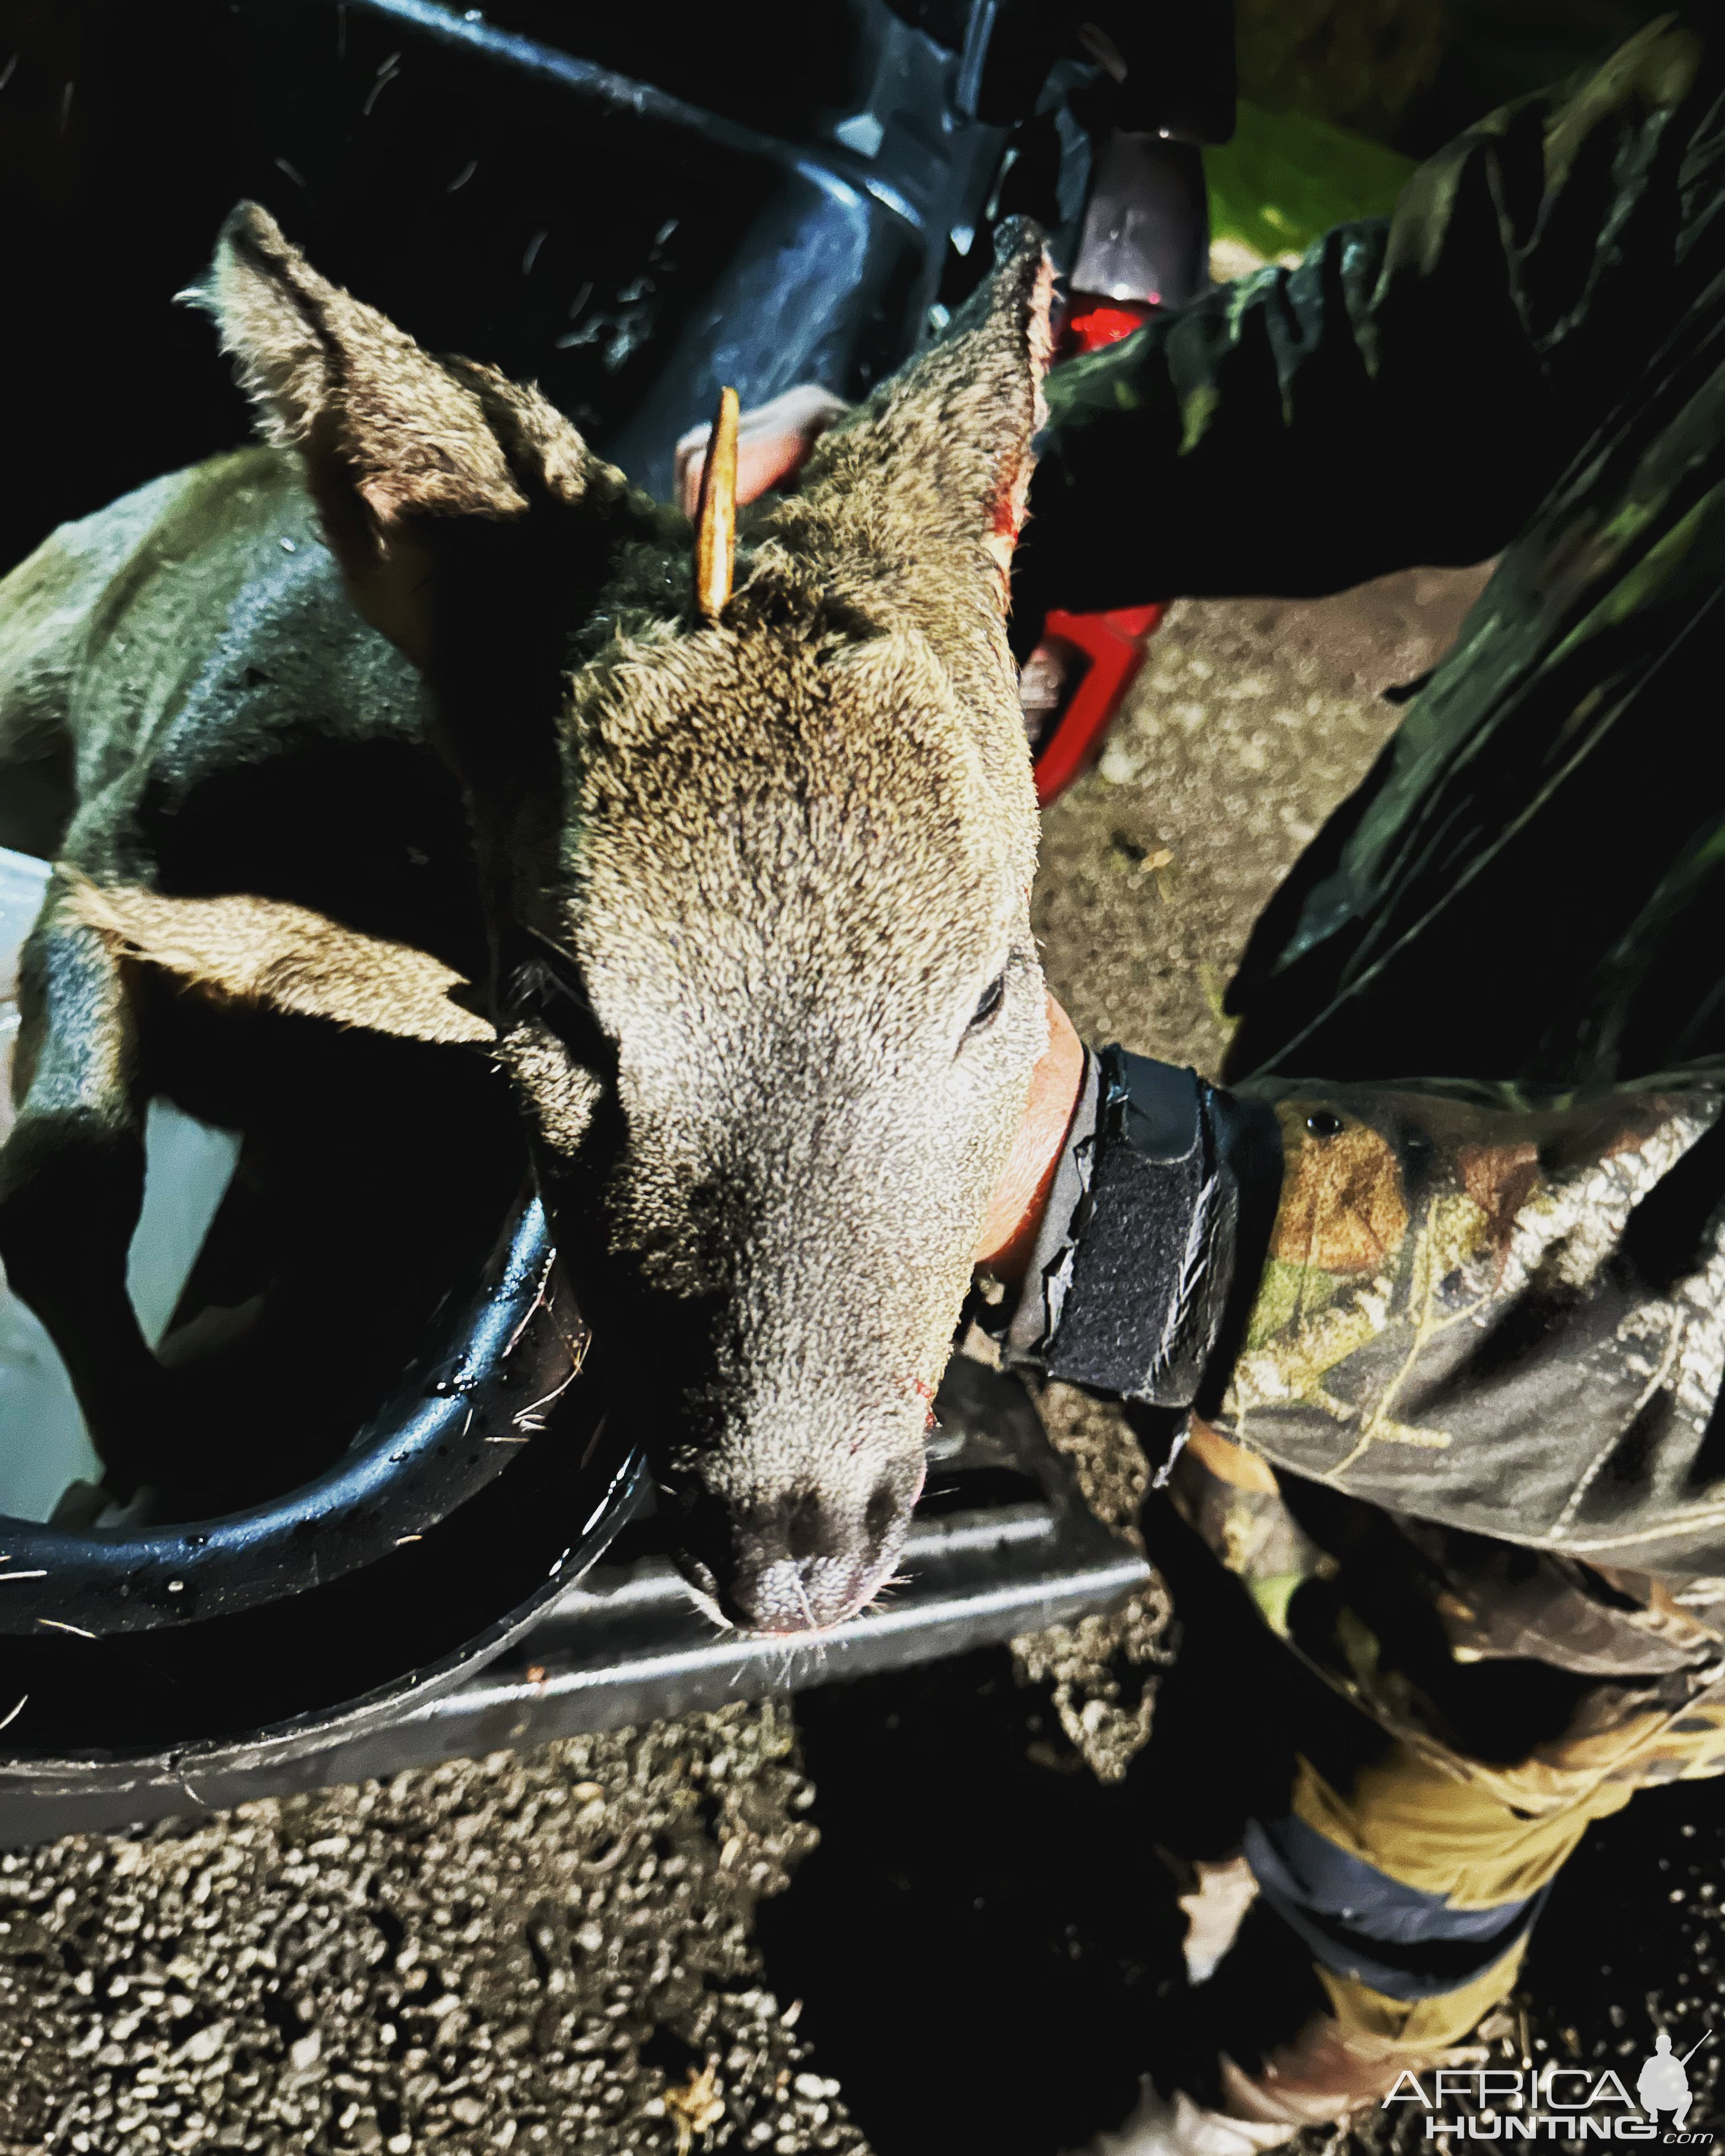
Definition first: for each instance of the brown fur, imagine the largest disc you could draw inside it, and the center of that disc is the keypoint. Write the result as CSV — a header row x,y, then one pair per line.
x,y
252,950
748,881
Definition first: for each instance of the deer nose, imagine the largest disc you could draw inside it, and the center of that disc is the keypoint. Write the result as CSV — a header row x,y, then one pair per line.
x,y
800,1564
785,1596
803,1563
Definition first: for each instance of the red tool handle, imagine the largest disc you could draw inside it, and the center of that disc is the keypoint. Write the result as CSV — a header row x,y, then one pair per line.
x,y
1113,644
1109,647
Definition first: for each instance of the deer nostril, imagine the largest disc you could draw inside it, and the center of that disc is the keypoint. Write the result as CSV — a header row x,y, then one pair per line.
x,y
880,1514
805,1527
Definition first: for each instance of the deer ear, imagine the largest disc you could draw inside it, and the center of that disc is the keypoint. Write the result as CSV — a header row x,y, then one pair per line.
x,y
923,487
398,445
267,951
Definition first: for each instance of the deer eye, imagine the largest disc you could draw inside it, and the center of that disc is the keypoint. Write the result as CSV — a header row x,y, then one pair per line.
x,y
989,1003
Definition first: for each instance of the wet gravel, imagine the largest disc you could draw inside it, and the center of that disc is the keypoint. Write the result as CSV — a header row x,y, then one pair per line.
x,y
592,1947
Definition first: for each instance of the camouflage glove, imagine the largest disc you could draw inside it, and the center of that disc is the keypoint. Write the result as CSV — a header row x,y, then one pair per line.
x,y
1127,1291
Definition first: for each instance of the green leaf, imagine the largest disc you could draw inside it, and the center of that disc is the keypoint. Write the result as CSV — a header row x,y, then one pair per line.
x,y
1285,179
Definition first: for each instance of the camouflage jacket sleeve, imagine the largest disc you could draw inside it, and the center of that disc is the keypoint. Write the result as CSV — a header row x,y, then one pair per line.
x,y
1501,1318
1411,391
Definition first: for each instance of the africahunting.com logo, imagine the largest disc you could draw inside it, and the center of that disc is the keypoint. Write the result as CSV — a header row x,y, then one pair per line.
x,y
1557,2103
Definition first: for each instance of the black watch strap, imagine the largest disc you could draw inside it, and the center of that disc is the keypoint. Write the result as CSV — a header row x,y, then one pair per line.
x,y
1131,1285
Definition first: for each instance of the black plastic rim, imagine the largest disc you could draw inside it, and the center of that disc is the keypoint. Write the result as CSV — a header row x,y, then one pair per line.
x,y
456,1420
292,1678
373,1588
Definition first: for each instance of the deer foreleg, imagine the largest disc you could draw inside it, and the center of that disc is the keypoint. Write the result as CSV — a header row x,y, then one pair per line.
x,y
72,1178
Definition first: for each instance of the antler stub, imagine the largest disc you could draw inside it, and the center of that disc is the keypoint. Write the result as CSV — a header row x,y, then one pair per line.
x,y
716,515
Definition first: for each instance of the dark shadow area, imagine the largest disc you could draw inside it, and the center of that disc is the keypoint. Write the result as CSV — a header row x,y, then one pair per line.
x,y
572,241
967,1896
375,1190
982,1940
977,1896
36,795
979,1901
345,1227
1500,50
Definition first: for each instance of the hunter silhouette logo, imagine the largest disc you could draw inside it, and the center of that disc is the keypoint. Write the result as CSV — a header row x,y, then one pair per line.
x,y
1558,2103
1663,2084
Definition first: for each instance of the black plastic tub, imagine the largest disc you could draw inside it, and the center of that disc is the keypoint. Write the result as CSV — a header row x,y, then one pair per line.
x,y
411,1461
411,1474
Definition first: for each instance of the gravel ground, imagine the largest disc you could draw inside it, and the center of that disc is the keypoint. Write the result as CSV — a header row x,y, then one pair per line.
x,y
591,1947
548,1953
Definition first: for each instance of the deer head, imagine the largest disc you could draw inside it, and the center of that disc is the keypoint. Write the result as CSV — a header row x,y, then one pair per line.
x,y
757,836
